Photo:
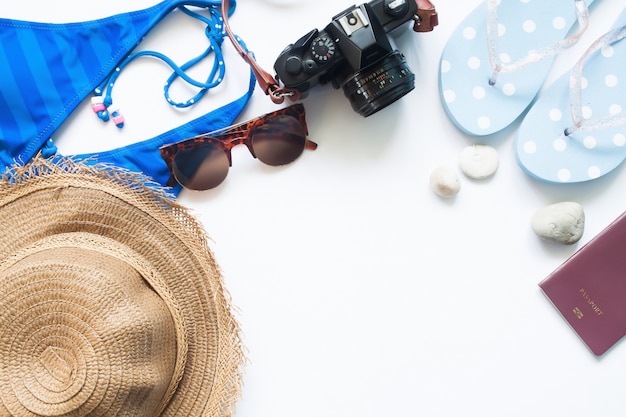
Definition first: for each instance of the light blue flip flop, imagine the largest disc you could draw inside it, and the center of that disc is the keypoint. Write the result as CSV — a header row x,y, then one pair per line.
x,y
575,130
496,61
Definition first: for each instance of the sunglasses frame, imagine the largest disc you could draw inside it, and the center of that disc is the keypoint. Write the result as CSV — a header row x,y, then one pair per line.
x,y
229,137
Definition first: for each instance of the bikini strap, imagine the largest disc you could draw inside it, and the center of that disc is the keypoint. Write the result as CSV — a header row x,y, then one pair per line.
x,y
210,14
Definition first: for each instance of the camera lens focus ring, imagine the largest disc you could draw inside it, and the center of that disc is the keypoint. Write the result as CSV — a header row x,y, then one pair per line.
x,y
380,84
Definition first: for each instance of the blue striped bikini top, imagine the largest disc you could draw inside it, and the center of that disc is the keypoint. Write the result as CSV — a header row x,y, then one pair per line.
x,y
47,70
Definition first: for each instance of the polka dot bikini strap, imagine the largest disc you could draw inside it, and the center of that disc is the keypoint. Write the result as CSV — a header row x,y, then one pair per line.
x,y
575,85
582,14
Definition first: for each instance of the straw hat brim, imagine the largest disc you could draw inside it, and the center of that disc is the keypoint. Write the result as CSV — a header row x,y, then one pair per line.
x,y
108,210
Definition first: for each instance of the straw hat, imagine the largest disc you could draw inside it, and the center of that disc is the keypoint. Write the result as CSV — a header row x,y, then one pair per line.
x,y
111,302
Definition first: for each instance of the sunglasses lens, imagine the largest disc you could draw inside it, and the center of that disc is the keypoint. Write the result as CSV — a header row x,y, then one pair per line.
x,y
201,168
280,141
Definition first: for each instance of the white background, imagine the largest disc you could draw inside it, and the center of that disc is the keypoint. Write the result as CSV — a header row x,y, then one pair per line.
x,y
359,291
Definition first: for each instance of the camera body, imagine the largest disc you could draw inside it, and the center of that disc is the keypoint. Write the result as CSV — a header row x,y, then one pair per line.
x,y
354,53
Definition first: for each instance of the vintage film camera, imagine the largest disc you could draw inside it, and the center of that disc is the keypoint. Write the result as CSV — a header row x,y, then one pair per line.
x,y
354,53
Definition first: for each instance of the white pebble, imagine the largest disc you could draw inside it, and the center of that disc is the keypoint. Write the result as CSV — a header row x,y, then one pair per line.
x,y
561,222
444,182
479,161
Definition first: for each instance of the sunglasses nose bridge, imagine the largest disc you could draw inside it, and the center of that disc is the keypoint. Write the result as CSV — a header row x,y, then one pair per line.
x,y
229,155
229,143
250,148
245,138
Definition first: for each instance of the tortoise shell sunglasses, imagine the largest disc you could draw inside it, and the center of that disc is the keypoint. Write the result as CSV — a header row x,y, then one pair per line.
x,y
202,162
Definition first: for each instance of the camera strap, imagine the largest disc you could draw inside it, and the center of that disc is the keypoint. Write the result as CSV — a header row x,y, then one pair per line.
x,y
427,16
265,80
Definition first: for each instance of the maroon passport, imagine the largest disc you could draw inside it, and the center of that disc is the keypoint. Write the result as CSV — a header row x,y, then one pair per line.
x,y
589,288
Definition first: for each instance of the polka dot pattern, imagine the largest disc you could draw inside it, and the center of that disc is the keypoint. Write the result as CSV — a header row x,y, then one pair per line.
x,y
547,153
474,105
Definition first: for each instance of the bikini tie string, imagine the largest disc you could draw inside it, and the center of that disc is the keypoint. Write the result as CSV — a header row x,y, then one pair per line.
x,y
102,101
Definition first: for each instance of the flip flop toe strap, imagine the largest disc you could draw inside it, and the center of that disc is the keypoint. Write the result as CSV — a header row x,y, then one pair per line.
x,y
498,66
575,89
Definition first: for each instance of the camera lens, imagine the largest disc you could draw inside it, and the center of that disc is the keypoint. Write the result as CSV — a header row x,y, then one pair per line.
x,y
380,84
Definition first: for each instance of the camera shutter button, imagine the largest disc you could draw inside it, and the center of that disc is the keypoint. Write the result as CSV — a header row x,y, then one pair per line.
x,y
396,8
293,65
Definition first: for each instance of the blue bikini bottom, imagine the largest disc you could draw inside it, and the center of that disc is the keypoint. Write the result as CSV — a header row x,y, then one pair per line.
x,y
47,70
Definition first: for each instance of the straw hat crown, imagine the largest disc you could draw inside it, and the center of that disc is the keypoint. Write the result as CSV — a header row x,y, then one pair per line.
x,y
111,303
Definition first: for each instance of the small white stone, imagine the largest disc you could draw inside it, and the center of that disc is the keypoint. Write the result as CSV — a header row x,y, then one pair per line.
x,y
444,182
479,161
561,222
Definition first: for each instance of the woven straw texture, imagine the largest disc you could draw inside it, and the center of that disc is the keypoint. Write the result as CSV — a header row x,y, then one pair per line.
x,y
111,302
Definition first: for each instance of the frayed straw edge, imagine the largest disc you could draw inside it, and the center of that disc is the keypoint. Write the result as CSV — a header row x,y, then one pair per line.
x,y
38,169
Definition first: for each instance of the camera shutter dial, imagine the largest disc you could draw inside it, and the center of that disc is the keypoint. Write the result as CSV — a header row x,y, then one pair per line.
x,y
323,49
